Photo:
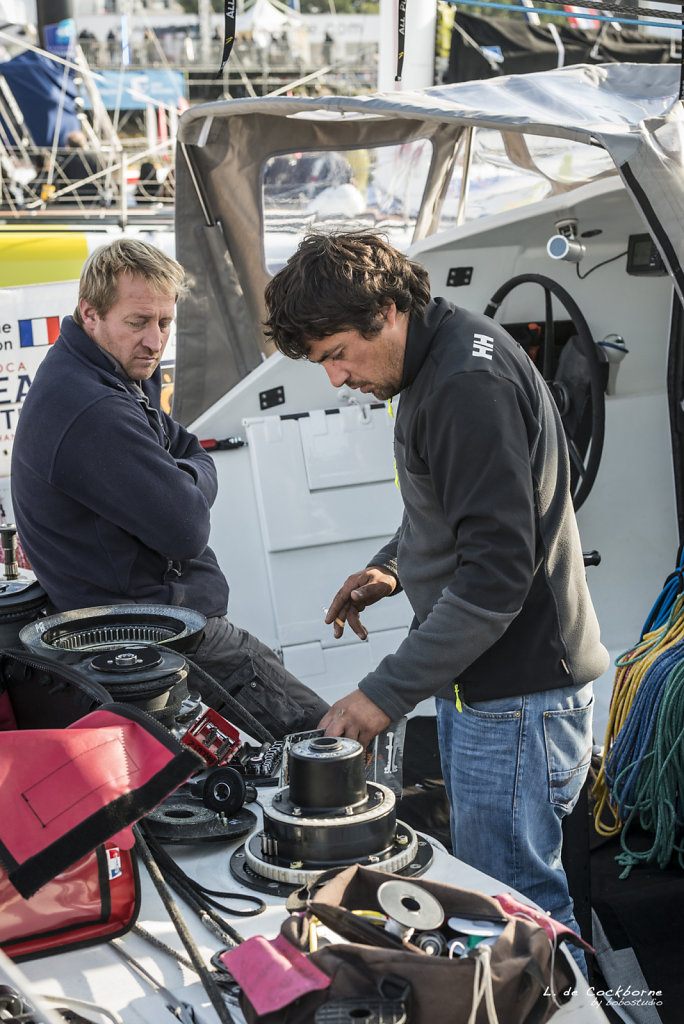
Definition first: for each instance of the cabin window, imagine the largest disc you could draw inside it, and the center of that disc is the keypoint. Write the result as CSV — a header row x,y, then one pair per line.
x,y
494,182
375,188
512,170
569,163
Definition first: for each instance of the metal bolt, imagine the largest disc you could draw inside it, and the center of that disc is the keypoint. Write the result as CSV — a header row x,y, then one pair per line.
x,y
297,810
126,658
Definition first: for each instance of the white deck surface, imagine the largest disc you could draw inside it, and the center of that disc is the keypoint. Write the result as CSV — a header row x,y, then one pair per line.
x,y
98,975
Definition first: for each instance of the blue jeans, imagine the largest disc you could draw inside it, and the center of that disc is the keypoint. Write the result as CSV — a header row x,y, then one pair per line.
x,y
513,768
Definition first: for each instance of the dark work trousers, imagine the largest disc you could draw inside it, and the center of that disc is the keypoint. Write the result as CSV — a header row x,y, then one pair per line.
x,y
253,675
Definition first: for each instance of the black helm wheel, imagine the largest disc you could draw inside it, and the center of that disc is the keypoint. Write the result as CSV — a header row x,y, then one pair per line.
x,y
585,465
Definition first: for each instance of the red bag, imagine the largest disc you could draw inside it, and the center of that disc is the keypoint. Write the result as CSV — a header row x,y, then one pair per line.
x,y
96,899
77,770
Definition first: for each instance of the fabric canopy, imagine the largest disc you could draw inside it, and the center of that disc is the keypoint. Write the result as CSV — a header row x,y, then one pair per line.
x,y
45,94
632,111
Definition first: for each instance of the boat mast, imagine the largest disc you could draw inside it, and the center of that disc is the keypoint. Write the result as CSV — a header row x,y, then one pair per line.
x,y
418,70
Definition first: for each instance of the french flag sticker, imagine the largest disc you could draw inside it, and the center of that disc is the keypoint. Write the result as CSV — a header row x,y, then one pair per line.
x,y
113,862
39,332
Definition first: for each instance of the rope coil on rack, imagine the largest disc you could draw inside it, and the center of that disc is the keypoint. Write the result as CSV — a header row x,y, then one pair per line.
x,y
633,742
642,772
657,794
672,587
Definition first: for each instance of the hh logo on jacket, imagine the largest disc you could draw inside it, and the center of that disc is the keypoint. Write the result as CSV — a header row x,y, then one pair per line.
x,y
483,346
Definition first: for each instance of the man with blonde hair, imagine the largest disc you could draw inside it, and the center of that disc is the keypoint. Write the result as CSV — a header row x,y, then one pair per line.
x,y
112,496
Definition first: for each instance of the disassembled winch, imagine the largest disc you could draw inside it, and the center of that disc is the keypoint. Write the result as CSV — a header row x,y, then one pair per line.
x,y
133,651
105,626
325,813
328,816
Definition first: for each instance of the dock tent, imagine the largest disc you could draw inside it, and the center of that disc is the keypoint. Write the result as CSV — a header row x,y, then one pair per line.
x,y
45,95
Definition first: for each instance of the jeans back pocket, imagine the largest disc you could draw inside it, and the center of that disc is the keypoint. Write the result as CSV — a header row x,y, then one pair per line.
x,y
568,739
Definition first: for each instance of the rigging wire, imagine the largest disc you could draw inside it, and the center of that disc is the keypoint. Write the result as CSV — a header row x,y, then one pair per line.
x,y
660,14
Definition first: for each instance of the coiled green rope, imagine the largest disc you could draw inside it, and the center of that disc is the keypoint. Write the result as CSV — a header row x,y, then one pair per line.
x,y
659,787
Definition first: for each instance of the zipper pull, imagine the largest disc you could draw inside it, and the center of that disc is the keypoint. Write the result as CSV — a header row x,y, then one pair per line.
x,y
390,410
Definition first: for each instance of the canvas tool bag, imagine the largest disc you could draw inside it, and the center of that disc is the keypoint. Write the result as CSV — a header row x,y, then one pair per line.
x,y
521,979
76,770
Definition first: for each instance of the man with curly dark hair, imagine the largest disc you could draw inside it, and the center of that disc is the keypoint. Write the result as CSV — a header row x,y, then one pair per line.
x,y
504,636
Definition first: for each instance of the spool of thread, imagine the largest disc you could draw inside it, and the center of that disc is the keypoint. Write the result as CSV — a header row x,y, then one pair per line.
x,y
432,943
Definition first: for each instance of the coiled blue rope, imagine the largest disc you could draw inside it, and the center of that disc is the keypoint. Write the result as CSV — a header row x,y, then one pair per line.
x,y
673,586
654,780
632,743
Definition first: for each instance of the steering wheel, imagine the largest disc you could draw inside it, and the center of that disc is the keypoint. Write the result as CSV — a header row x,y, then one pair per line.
x,y
576,380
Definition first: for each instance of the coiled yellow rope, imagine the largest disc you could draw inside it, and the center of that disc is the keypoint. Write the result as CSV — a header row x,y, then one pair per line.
x,y
631,669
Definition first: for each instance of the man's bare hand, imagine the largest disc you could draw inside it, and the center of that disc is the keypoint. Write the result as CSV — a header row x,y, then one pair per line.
x,y
355,716
358,591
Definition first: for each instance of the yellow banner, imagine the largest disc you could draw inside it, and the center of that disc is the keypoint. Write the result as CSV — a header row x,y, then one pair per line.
x,y
40,257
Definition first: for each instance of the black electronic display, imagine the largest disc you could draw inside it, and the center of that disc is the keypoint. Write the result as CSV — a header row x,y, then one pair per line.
x,y
643,258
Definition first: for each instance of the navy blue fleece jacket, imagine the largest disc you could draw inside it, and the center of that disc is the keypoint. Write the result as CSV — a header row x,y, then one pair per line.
x,y
111,496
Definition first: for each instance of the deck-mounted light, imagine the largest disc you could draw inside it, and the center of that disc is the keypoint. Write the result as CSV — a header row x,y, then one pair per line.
x,y
565,244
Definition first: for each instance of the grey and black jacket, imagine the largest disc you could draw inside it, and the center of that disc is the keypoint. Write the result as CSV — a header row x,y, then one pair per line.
x,y
488,551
